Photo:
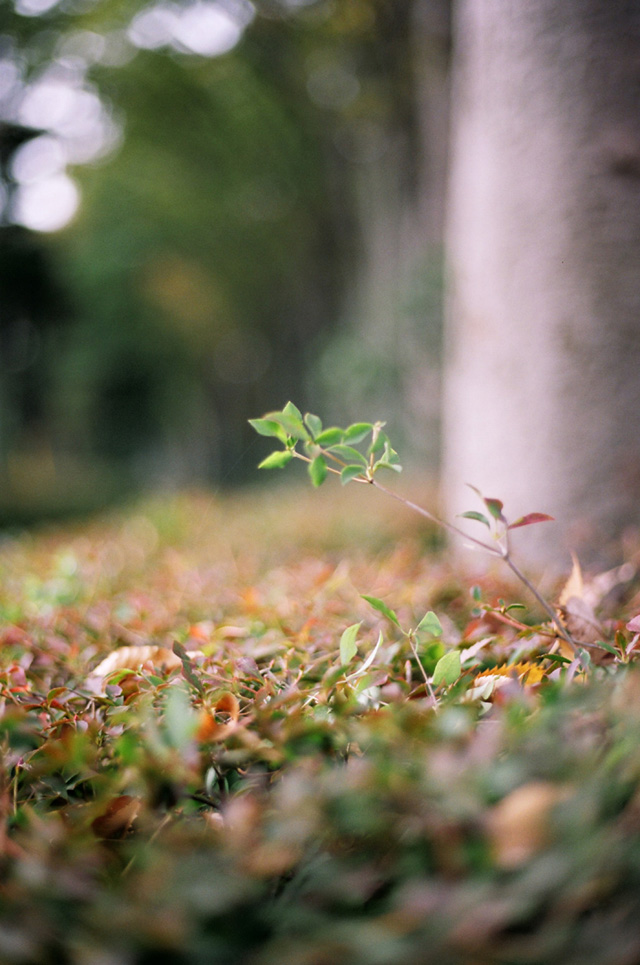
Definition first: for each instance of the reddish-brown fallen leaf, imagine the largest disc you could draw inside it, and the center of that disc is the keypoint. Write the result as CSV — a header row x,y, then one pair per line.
x,y
118,818
211,729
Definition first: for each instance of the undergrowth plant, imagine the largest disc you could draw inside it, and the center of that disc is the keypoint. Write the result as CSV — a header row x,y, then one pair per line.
x,y
205,758
357,454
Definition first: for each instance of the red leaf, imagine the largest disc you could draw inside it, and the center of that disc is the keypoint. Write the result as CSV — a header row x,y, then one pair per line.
x,y
529,519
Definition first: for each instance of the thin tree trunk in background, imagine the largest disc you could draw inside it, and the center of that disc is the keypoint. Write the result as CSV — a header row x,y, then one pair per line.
x,y
542,402
386,360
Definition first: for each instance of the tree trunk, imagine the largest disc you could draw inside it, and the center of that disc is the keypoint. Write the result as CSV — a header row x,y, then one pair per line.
x,y
542,399
385,361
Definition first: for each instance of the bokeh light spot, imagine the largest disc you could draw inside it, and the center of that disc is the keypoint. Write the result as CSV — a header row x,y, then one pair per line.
x,y
46,205
38,159
34,8
205,28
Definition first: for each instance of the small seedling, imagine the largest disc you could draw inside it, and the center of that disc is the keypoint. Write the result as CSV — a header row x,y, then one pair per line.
x,y
447,669
358,453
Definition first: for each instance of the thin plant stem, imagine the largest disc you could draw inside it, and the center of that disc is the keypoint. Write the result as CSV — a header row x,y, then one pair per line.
x,y
518,625
428,683
450,527
487,547
495,551
500,551
563,632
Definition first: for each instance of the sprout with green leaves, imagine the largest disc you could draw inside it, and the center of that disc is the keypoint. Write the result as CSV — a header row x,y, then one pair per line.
x,y
357,453
331,450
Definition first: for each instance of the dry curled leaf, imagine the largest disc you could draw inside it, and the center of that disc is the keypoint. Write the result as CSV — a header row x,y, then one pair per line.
x,y
576,611
574,585
130,658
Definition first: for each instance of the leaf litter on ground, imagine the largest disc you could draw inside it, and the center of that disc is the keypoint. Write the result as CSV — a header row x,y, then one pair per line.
x,y
185,663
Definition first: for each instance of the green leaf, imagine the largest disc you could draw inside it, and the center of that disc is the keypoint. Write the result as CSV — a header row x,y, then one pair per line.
x,y
348,453
363,683
127,747
318,470
390,455
329,437
382,608
430,653
495,507
479,517
381,464
448,669
118,675
357,432
348,646
314,424
608,647
430,624
557,658
266,427
290,423
188,669
291,410
179,718
277,460
349,473
378,444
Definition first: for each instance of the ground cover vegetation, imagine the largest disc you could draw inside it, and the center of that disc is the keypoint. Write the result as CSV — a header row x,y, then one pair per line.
x,y
279,727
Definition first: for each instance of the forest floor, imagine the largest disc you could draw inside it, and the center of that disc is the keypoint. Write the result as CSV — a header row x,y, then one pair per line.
x,y
216,750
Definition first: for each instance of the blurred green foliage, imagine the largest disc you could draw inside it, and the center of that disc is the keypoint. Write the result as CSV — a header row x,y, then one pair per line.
x,y
214,247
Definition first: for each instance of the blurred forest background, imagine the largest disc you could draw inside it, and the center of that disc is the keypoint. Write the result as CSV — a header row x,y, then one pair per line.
x,y
207,209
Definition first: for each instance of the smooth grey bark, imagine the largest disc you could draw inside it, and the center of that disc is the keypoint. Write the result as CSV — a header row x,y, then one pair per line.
x,y
542,397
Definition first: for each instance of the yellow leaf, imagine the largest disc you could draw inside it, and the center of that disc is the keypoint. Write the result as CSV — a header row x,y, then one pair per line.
x,y
488,681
